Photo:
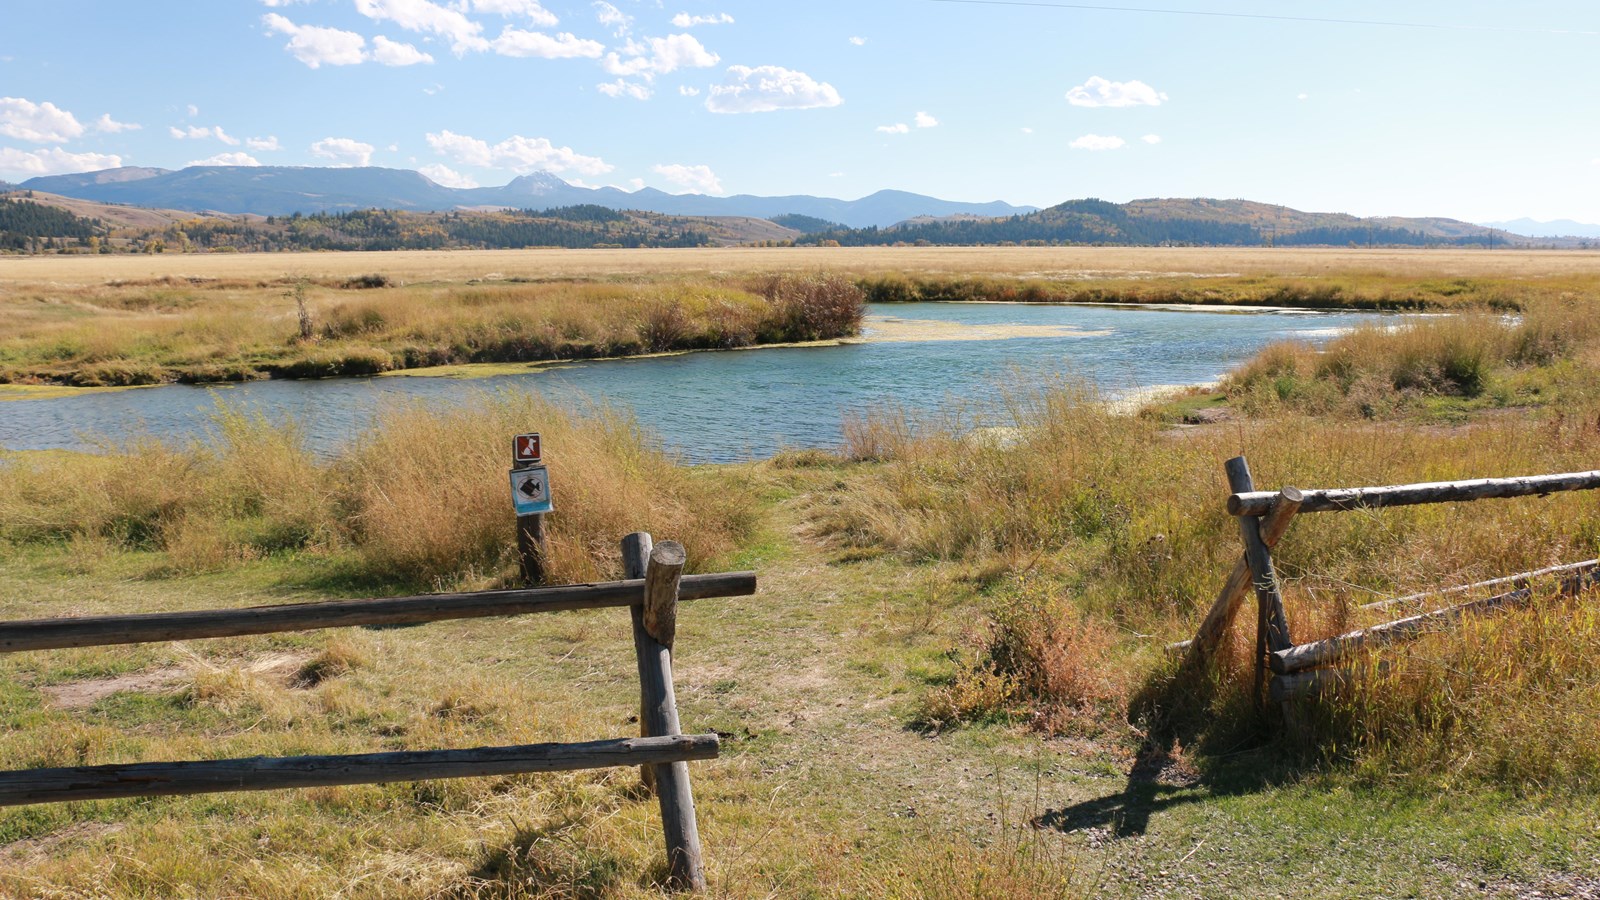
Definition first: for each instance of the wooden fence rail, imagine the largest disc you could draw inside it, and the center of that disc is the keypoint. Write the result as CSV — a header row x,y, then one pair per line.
x,y
265,773
655,585
1258,503
100,631
1306,669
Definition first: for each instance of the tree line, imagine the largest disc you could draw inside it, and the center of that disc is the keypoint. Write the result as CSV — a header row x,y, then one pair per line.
x,y
1101,222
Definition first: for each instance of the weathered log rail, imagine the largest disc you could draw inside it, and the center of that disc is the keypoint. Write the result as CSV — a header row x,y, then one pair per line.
x,y
1303,670
1258,503
652,591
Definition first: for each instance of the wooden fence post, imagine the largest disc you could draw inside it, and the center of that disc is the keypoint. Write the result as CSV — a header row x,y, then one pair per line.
x,y
1272,625
1219,619
532,547
654,626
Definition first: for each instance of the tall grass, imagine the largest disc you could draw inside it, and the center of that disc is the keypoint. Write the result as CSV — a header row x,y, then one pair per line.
x,y
1106,536
225,331
1378,370
420,499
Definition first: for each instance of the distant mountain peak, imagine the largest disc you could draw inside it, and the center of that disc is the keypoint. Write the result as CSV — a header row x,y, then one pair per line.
x,y
537,184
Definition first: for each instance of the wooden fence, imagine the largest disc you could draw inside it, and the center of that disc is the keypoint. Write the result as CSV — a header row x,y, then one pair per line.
x,y
1301,670
654,586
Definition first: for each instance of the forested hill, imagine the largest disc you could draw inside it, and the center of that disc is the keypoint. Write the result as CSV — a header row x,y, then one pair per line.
x,y
35,222
1198,222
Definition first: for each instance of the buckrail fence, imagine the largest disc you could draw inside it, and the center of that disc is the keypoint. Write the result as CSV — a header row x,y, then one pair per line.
x,y
1298,671
653,587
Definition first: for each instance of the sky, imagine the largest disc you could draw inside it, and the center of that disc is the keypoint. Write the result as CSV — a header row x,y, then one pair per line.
x,y
1474,110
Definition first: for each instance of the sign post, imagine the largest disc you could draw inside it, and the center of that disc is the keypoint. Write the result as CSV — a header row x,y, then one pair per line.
x,y
530,497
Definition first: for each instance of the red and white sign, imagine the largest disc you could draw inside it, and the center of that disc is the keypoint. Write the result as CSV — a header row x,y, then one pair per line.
x,y
525,449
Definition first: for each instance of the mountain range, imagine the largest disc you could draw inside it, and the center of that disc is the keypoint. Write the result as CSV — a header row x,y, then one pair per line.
x,y
885,217
284,190
1554,228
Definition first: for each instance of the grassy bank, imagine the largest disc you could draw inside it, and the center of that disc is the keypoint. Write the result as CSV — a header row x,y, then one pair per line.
x,y
202,330
198,318
1374,290
951,683
1439,369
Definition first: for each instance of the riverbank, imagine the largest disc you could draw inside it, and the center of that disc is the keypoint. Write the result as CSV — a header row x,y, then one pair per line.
x,y
937,693
201,331
94,322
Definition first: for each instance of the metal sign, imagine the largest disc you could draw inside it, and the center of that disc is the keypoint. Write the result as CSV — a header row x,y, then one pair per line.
x,y
530,491
525,449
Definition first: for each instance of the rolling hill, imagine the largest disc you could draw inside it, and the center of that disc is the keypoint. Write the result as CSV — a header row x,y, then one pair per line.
x,y
1198,221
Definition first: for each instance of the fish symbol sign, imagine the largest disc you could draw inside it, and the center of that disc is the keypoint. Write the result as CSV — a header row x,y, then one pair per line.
x,y
530,491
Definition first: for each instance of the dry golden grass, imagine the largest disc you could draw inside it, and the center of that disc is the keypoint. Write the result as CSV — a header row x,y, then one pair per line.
x,y
1092,524
224,330
421,501
651,264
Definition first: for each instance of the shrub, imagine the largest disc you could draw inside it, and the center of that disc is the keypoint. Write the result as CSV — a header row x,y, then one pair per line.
x,y
367,282
810,307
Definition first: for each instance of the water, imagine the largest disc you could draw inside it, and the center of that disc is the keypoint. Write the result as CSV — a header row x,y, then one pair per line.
x,y
718,407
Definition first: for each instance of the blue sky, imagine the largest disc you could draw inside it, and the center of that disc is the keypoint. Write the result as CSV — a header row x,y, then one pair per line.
x,y
1474,110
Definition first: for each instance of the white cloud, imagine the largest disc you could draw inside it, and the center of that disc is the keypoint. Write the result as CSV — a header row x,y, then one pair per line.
x,y
658,56
768,88
636,183
314,45
1302,96
23,164
267,143
427,17
448,177
434,89
517,153
467,150
697,179
1151,139
107,125
859,41
516,42
193,110
394,53
624,88
1027,130
343,151
1098,91
684,20
198,133
41,123
687,91
531,9
924,120
615,19
1097,142
896,128
226,159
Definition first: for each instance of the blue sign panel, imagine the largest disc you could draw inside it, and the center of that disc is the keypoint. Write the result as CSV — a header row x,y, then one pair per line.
x,y
530,491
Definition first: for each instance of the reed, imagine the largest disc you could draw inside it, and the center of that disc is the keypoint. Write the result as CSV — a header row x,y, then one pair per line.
x,y
420,499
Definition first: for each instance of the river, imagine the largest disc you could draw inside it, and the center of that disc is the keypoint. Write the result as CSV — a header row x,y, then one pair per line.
x,y
728,406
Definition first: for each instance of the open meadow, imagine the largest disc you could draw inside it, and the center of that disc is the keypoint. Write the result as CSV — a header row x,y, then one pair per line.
x,y
111,321
953,681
